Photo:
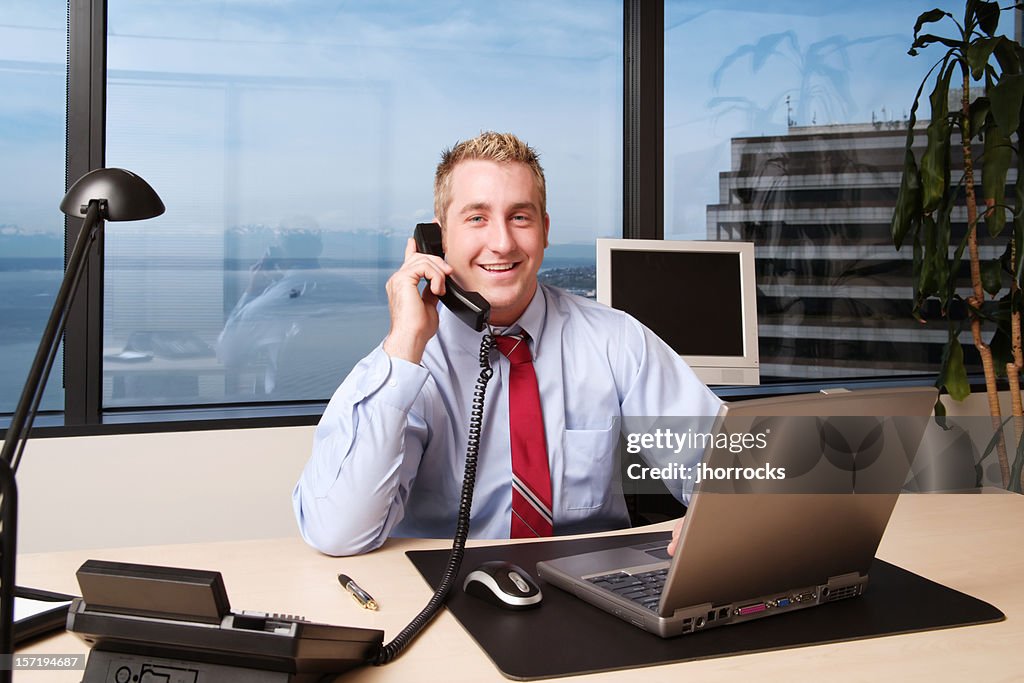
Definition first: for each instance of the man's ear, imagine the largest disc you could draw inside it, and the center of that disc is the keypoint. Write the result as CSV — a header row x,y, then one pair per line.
x,y
444,245
547,227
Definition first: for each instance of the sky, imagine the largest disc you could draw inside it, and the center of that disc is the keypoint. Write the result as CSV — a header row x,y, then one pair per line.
x,y
244,112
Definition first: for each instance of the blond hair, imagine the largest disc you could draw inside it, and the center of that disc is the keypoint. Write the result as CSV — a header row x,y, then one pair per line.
x,y
488,146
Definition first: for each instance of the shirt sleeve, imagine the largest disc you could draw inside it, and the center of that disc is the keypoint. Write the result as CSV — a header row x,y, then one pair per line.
x,y
366,450
664,391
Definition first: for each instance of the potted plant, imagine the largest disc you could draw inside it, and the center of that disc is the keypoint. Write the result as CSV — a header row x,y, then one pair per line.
x,y
984,131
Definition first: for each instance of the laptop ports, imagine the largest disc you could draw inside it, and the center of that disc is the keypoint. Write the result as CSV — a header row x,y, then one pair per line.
x,y
751,609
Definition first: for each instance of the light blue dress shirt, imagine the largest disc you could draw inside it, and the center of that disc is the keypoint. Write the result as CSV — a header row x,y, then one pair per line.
x,y
388,453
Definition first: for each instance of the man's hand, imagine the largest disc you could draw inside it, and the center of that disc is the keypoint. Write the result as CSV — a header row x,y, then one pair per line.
x,y
675,536
414,316
263,273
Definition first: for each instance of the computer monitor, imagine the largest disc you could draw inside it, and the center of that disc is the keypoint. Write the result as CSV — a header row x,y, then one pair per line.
x,y
699,296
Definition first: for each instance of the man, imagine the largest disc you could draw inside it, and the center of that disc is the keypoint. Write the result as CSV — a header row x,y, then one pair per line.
x,y
274,308
388,453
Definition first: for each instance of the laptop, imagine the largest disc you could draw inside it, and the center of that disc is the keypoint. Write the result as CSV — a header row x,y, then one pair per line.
x,y
755,547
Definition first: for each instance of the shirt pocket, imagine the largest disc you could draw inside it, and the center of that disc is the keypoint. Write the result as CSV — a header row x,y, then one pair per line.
x,y
589,461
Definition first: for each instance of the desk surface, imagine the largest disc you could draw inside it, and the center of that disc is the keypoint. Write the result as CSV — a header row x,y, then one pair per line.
x,y
969,542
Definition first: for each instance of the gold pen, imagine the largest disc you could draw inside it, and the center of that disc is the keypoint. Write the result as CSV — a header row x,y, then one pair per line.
x,y
361,596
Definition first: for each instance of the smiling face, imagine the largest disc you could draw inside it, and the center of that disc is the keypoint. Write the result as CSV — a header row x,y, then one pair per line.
x,y
495,233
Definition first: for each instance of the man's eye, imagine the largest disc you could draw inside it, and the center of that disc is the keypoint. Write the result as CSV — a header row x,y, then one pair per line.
x,y
476,219
521,218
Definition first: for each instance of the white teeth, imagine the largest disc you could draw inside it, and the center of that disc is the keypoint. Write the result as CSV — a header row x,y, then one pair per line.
x,y
507,266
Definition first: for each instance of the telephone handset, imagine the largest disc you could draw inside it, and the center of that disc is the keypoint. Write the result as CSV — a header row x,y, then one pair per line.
x,y
469,307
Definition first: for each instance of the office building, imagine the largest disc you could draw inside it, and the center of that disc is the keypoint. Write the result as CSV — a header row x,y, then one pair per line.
x,y
834,296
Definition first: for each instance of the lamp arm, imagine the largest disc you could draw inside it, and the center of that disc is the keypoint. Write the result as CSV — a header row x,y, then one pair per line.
x,y
8,549
31,394
21,423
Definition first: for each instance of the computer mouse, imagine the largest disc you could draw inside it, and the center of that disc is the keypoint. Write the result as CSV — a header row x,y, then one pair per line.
x,y
503,584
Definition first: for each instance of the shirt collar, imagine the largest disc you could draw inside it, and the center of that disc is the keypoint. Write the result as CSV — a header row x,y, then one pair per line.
x,y
531,321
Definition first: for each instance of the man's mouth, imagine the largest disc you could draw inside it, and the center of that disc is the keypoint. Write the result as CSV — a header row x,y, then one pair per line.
x,y
498,267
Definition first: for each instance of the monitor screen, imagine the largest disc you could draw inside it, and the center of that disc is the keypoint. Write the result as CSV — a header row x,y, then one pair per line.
x,y
698,296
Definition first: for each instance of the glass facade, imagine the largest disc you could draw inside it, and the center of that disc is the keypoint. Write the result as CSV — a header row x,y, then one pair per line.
x,y
784,126
33,65
295,147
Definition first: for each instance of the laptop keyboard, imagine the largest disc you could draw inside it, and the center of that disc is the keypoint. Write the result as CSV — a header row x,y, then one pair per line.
x,y
643,589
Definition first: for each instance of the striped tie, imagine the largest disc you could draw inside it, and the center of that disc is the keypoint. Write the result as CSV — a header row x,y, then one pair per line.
x,y
531,477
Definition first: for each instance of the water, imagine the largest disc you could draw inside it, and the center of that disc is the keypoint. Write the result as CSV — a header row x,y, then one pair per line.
x,y
325,330
164,330
26,296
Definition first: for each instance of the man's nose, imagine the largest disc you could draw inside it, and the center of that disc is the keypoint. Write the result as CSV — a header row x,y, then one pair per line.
x,y
500,240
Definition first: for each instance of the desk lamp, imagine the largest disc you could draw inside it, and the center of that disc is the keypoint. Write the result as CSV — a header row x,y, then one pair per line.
x,y
111,194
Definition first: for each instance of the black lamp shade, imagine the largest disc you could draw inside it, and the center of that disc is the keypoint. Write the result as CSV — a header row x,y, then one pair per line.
x,y
128,197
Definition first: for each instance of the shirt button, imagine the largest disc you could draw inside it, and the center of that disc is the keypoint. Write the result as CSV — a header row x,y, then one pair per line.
x,y
392,383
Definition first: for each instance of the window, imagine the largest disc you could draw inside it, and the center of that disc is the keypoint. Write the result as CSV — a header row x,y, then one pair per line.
x,y
294,147
33,62
784,125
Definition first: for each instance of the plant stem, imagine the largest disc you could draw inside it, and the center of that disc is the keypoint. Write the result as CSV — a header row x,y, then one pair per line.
x,y
1013,368
978,297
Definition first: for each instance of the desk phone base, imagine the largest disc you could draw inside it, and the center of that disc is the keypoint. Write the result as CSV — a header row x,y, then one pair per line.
x,y
115,667
149,624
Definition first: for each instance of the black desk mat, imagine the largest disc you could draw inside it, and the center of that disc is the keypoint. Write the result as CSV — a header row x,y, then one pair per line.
x,y
566,636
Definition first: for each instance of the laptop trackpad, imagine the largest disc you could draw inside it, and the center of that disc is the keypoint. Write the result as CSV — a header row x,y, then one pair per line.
x,y
656,549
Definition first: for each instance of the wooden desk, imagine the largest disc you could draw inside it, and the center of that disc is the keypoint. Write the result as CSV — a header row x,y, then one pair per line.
x,y
969,542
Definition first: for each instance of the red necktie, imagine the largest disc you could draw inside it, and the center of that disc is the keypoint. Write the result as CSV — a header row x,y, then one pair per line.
x,y
531,477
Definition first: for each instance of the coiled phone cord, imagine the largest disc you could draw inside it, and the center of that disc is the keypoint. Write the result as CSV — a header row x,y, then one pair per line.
x,y
389,652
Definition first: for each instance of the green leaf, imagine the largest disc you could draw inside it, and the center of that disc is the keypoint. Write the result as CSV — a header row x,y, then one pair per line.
x,y
927,39
1017,468
1018,226
908,201
991,276
953,374
958,257
935,160
996,436
978,54
907,214
979,111
920,296
1006,97
927,284
1002,351
1008,56
991,313
1015,472
995,165
988,16
940,255
929,17
1004,260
